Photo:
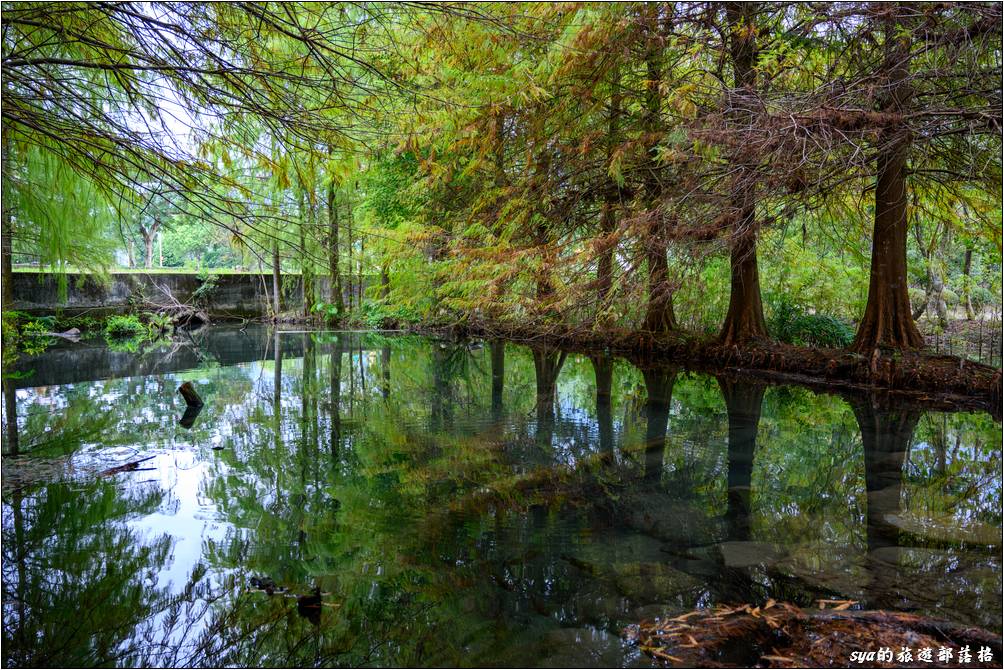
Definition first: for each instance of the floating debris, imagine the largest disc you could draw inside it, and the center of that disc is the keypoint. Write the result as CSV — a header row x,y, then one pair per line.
x,y
782,635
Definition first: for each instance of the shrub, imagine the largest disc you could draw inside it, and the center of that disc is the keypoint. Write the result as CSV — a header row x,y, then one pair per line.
x,y
124,326
378,315
790,323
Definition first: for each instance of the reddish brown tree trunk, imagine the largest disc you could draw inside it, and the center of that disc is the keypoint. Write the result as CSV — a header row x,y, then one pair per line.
x,y
659,317
744,320
887,321
604,270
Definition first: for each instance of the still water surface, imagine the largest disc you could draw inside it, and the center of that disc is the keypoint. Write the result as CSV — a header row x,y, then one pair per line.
x,y
426,503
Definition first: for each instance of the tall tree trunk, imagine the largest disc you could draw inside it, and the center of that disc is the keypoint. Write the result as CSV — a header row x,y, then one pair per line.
x,y
384,282
306,265
887,321
744,320
348,234
7,259
130,250
335,286
276,280
659,317
7,234
361,287
10,416
659,397
967,285
148,244
604,270
937,294
743,402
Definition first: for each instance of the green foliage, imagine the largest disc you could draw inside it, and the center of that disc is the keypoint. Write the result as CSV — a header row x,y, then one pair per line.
x,y
193,242
326,310
35,336
87,325
207,286
159,324
791,323
376,314
123,326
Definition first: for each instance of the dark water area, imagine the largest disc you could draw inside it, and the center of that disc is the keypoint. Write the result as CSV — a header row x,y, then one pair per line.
x,y
415,502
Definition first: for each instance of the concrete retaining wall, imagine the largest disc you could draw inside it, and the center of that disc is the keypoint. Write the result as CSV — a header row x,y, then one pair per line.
x,y
237,295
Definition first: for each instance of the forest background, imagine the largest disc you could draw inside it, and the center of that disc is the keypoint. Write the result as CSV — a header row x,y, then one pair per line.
x,y
823,173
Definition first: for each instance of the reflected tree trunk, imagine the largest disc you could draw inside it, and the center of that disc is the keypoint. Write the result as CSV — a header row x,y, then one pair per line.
x,y
547,366
308,392
743,402
17,503
362,370
659,397
603,368
498,378
277,380
442,391
385,372
336,397
886,435
10,417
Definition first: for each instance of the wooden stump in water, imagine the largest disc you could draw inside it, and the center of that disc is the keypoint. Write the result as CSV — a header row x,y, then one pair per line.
x,y
191,414
190,395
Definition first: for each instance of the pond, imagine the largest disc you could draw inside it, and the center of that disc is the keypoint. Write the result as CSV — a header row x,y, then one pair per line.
x,y
371,499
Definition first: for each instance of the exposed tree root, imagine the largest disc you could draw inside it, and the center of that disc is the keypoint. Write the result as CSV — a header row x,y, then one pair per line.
x,y
946,381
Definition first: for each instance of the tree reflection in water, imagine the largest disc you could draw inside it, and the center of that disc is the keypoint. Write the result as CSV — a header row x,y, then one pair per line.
x,y
459,505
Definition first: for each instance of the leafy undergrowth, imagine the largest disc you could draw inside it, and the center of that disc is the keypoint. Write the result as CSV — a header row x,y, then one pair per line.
x,y
782,635
32,335
793,324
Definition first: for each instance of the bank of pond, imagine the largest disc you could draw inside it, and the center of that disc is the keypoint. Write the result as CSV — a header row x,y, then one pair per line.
x,y
375,499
